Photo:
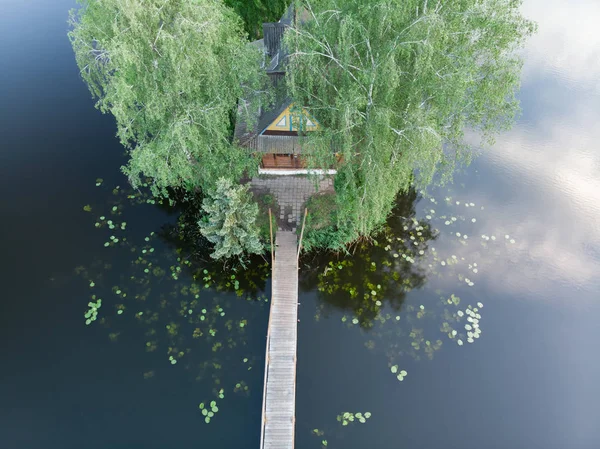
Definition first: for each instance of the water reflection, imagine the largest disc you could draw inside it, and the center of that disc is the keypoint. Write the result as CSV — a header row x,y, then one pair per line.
x,y
193,312
568,43
377,273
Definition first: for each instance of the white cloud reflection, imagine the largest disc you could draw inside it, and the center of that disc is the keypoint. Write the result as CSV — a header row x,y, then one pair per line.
x,y
568,42
542,180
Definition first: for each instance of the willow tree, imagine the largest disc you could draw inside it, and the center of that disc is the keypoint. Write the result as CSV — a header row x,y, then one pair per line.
x,y
256,12
395,84
171,73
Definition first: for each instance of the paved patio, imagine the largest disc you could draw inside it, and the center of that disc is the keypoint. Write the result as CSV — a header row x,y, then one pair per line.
x,y
291,193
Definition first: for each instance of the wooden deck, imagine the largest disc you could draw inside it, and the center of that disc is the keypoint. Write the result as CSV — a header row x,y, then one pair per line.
x,y
279,397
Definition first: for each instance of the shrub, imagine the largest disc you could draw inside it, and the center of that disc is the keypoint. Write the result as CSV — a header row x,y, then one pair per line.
x,y
230,221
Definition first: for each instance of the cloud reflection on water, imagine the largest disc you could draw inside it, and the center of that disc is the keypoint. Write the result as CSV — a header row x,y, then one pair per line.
x,y
541,181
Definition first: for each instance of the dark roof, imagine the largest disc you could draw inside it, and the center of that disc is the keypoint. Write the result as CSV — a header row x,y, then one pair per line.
x,y
272,34
271,43
272,37
267,117
288,15
242,133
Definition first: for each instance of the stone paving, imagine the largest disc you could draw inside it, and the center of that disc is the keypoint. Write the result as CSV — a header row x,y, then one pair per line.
x,y
291,192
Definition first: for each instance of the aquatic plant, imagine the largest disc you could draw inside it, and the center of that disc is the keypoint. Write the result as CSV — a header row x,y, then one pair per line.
x,y
182,303
348,417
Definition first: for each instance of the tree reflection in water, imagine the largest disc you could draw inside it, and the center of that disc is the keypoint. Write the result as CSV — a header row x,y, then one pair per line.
x,y
192,310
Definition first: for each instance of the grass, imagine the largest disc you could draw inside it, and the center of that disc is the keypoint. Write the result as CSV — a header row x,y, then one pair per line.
x,y
265,202
321,224
321,211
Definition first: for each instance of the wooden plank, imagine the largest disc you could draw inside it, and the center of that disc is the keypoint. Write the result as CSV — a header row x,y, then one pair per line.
x,y
279,398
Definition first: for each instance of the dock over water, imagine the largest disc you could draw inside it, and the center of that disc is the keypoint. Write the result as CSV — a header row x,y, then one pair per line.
x,y
279,396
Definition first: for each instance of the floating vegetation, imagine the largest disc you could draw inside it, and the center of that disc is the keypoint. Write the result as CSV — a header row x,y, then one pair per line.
x,y
92,313
192,310
370,285
401,375
208,411
197,311
349,417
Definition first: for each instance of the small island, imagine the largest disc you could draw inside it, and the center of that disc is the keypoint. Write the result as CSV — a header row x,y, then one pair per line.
x,y
331,106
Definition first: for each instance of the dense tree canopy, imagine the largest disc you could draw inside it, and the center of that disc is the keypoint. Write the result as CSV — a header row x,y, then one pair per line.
x,y
171,72
395,83
256,12
230,221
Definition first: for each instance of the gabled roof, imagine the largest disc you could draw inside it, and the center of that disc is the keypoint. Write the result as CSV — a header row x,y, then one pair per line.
x,y
269,116
243,134
276,56
288,15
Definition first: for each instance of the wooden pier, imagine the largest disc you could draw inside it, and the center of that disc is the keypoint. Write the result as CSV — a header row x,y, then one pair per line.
x,y
279,396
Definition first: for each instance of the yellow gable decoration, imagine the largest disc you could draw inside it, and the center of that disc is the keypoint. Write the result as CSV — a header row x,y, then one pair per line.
x,y
293,118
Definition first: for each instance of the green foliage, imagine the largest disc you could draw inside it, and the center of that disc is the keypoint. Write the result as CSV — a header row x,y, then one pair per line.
x,y
349,417
256,12
170,73
230,221
265,202
209,410
92,313
394,84
321,230
378,274
400,375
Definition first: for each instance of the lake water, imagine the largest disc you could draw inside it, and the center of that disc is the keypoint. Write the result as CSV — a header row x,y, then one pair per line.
x,y
533,229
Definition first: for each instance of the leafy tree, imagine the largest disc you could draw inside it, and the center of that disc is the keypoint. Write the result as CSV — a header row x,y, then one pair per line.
x,y
230,222
171,72
394,84
377,275
256,12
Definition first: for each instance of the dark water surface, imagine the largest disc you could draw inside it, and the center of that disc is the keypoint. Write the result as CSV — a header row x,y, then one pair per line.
x,y
530,381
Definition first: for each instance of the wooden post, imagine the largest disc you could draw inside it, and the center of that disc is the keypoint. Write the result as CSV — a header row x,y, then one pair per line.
x,y
271,231
302,233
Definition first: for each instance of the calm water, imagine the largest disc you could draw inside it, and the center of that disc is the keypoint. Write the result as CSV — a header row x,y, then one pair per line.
x,y
529,382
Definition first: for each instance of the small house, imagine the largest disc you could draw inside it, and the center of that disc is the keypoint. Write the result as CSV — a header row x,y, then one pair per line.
x,y
276,133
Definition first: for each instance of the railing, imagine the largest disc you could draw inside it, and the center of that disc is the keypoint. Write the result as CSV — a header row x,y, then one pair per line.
x,y
276,144
264,402
268,345
301,234
271,232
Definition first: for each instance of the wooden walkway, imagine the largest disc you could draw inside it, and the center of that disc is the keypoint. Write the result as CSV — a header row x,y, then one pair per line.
x,y
279,396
